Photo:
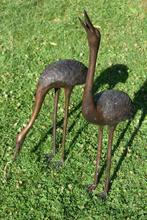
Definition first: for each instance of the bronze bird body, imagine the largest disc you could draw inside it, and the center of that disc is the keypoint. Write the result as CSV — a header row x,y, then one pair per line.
x,y
61,74
113,106
105,108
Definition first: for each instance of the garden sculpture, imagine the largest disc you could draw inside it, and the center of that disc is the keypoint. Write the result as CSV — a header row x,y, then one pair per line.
x,y
61,74
105,108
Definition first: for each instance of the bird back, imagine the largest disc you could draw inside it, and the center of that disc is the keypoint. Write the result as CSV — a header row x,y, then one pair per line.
x,y
69,72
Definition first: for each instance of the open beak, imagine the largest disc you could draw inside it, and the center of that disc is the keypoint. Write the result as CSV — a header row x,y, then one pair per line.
x,y
87,24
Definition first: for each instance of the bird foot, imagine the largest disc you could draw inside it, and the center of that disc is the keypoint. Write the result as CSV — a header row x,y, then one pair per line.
x,y
91,188
58,164
103,195
48,157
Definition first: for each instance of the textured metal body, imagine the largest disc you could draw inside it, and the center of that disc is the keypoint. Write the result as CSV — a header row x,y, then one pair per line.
x,y
115,106
110,108
64,72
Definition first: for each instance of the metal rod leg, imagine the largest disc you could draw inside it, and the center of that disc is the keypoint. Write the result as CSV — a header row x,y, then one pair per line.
x,y
100,136
110,140
99,149
66,105
56,98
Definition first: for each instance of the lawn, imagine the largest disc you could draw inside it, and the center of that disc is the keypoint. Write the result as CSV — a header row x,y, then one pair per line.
x,y
33,34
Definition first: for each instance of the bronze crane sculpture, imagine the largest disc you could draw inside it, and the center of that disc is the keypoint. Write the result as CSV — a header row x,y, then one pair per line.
x,y
105,108
61,74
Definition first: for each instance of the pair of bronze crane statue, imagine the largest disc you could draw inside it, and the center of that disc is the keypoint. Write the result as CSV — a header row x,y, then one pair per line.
x,y
105,108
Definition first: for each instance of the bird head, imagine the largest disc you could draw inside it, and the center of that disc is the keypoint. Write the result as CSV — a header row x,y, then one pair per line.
x,y
93,33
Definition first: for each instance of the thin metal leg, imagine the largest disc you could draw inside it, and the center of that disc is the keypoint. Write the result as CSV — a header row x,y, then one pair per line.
x,y
100,137
107,180
57,92
99,149
40,94
66,105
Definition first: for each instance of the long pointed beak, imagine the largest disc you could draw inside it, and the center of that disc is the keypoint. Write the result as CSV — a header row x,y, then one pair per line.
x,y
17,149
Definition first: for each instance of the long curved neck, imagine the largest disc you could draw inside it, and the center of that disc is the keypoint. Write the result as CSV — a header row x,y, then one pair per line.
x,y
91,69
88,96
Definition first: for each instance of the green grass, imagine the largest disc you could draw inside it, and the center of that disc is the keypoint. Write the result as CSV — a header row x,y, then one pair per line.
x,y
33,34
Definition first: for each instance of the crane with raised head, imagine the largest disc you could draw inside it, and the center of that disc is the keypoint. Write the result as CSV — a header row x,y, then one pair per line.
x,y
107,108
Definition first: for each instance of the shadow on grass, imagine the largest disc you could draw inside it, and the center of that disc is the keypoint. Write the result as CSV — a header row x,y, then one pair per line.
x,y
140,104
111,76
